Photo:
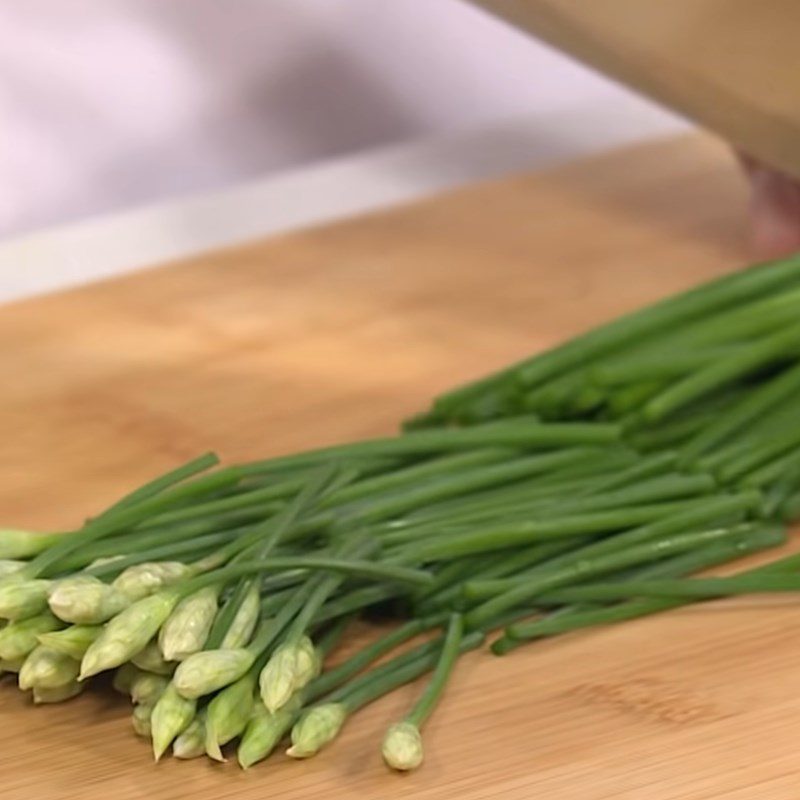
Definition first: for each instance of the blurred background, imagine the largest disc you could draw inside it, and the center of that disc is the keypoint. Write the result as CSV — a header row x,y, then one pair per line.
x,y
112,104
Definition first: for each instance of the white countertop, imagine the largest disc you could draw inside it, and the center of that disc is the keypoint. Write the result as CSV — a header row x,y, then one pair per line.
x,y
101,247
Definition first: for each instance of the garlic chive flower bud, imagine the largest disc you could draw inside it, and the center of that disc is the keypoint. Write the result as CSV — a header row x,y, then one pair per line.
x,y
141,720
19,638
228,714
86,600
142,580
124,677
46,669
146,688
73,641
104,560
151,659
9,567
244,621
264,731
172,715
276,681
291,667
209,670
57,695
11,665
24,544
309,663
191,743
187,628
315,728
127,633
20,599
402,746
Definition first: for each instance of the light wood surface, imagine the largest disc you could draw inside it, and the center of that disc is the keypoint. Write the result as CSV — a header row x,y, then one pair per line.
x,y
337,333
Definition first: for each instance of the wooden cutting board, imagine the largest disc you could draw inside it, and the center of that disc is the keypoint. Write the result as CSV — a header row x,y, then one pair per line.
x,y
338,333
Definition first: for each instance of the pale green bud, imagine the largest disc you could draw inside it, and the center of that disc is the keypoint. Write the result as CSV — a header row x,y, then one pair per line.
x,y
86,600
10,567
124,677
315,728
104,560
12,665
127,633
265,730
276,681
228,714
151,659
146,688
142,720
47,669
204,673
289,669
191,743
402,746
308,664
19,638
73,641
188,626
142,580
24,544
244,621
171,717
59,694
20,599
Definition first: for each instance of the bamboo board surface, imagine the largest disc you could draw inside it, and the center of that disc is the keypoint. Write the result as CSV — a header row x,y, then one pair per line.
x,y
336,333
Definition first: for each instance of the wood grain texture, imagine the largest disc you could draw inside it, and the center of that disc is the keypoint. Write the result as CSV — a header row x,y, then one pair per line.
x,y
337,333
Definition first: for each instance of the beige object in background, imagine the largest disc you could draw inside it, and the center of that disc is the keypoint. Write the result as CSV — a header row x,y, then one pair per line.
x,y
732,65
110,104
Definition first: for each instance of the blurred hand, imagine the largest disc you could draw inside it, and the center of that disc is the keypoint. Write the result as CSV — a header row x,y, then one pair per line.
x,y
774,210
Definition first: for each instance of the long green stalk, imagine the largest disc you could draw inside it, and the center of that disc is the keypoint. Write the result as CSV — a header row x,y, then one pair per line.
x,y
387,678
333,678
516,435
362,569
491,538
265,538
752,406
462,483
728,369
691,588
165,481
411,476
505,594
746,541
196,548
427,702
769,450
694,515
519,633
722,293
656,490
